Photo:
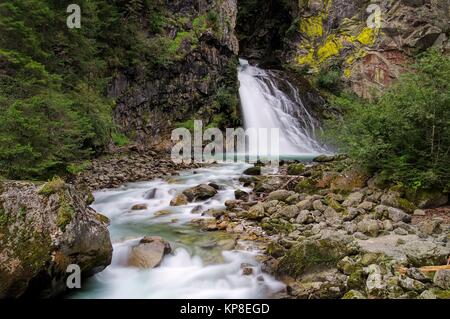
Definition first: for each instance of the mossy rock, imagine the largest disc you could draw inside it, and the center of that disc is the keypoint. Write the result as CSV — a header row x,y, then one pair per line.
x,y
52,187
305,186
354,294
277,227
333,203
296,169
406,205
66,212
275,250
309,254
103,219
426,198
442,294
253,171
357,279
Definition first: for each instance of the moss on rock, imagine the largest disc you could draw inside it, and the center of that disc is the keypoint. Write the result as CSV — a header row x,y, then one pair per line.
x,y
52,187
311,253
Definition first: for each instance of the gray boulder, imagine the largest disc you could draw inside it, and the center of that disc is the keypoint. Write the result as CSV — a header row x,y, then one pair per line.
x,y
149,252
42,231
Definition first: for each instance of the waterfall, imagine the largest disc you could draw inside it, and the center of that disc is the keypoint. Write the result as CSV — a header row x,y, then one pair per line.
x,y
264,105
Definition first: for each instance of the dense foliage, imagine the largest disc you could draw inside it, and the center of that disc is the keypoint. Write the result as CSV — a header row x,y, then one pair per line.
x,y
53,79
404,134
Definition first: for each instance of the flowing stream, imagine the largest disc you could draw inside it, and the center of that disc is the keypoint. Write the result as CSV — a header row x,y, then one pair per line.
x,y
203,264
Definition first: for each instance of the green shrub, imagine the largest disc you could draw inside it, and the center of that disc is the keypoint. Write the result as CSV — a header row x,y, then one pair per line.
x,y
329,79
77,168
404,134
120,139
52,187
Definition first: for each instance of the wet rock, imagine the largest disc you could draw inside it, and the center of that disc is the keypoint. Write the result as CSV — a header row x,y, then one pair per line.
x,y
179,200
200,192
162,213
241,195
247,271
150,194
149,252
215,186
253,171
442,279
139,207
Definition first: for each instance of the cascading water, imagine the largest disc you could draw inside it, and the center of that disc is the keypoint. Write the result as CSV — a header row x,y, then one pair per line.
x,y
264,105
203,265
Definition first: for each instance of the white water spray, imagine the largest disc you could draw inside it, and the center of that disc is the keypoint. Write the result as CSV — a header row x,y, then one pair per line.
x,y
264,105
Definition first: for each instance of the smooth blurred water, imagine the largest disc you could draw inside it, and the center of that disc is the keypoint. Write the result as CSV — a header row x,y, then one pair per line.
x,y
200,267
265,106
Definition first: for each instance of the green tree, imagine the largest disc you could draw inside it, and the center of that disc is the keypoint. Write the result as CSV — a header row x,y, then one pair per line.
x,y
404,134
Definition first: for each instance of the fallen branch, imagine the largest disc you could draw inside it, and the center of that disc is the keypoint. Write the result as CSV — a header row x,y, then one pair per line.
x,y
403,270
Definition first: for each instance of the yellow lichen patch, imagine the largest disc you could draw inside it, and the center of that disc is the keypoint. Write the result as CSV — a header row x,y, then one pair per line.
x,y
312,26
330,48
367,36
347,72
307,59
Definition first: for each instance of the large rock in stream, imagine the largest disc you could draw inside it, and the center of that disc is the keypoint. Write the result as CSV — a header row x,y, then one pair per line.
x,y
199,192
42,231
149,252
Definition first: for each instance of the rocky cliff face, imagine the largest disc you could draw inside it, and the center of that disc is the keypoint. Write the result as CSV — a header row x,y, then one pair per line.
x,y
196,81
42,231
336,33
